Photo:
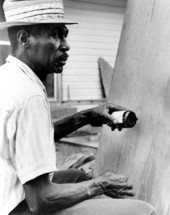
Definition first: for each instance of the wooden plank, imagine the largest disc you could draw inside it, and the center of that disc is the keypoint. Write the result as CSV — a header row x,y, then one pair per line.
x,y
92,52
79,59
81,141
81,14
84,78
106,73
83,95
86,86
94,45
120,3
86,93
94,5
142,83
98,39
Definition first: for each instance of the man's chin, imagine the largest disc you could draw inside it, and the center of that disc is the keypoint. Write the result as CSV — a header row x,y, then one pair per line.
x,y
59,70
55,69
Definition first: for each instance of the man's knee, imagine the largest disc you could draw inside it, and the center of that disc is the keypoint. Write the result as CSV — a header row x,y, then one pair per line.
x,y
108,206
145,208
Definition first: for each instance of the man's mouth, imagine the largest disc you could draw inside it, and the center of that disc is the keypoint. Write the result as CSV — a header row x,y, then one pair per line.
x,y
62,60
63,57
60,63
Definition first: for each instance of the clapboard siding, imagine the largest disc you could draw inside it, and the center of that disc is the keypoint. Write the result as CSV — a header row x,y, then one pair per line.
x,y
96,35
77,59
94,5
118,3
97,10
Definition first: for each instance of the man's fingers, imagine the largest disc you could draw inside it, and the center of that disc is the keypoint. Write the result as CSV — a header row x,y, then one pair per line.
x,y
111,108
129,187
122,178
120,187
125,187
121,183
127,193
116,178
111,121
114,125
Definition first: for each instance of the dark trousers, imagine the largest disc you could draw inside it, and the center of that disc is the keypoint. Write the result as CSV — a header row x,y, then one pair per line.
x,y
59,177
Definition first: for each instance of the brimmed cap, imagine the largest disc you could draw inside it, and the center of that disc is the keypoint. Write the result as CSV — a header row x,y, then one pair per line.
x,y
32,12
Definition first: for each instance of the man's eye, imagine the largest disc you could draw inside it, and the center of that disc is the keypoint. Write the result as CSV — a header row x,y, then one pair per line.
x,y
60,34
55,35
65,35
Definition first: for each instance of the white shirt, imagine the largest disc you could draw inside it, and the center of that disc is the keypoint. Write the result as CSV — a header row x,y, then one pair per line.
x,y
26,133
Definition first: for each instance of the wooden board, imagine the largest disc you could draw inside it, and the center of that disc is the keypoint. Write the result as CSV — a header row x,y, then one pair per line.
x,y
142,83
106,72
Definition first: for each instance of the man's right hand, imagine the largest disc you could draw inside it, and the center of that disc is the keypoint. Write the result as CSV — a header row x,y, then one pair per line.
x,y
114,185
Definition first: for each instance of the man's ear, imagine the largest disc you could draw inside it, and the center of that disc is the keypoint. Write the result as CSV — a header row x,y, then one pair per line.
x,y
23,37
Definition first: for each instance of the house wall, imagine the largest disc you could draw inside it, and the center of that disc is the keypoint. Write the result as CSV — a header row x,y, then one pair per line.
x,y
96,35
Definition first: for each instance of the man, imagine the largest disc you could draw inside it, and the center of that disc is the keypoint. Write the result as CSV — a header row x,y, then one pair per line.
x,y
30,182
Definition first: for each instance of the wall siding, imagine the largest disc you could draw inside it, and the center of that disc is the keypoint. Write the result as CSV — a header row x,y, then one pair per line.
x,y
96,35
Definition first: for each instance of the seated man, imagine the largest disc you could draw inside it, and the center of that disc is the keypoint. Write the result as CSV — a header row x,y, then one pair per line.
x,y
30,182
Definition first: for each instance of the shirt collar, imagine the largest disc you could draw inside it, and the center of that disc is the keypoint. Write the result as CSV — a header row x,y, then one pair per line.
x,y
27,70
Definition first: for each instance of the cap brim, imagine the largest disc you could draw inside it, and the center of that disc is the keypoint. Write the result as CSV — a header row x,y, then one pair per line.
x,y
5,25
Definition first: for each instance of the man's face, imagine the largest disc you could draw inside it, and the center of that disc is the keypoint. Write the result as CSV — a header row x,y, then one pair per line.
x,y
48,49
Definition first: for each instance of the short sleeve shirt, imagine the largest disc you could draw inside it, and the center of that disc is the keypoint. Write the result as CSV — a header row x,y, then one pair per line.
x,y
26,133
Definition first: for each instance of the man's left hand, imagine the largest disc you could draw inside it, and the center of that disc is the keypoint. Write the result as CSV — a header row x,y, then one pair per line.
x,y
114,185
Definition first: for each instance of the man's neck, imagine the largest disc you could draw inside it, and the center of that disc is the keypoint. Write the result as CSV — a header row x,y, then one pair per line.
x,y
32,66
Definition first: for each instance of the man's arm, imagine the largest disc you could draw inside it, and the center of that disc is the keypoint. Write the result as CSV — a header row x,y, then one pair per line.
x,y
69,124
44,196
95,116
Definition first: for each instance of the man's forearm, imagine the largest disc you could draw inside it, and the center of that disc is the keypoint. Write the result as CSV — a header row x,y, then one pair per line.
x,y
73,194
69,124
54,197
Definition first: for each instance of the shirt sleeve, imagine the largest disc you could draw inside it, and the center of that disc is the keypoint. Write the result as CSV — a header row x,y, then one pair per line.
x,y
31,139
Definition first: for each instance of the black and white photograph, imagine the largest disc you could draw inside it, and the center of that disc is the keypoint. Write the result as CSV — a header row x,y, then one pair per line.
x,y
84,107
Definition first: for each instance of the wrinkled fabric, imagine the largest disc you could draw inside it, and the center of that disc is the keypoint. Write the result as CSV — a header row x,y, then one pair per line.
x,y
26,133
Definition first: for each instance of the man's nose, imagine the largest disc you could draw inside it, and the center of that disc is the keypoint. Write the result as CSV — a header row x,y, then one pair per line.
x,y
64,45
